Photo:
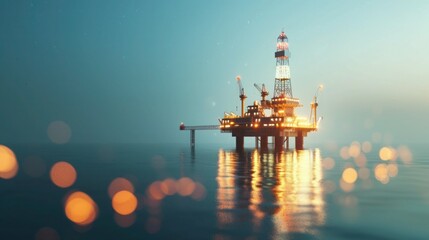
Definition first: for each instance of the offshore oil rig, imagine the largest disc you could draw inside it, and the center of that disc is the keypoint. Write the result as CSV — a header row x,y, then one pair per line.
x,y
274,118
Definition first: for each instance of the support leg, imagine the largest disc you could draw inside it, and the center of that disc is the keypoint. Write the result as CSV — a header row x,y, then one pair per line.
x,y
239,142
192,138
278,143
299,141
264,142
287,143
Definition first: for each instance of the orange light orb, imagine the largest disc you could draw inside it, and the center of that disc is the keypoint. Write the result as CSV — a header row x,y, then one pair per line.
x,y
80,208
8,163
63,174
120,184
185,186
350,175
387,153
124,202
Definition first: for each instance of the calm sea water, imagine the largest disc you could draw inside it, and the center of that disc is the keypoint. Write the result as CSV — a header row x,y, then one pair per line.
x,y
246,195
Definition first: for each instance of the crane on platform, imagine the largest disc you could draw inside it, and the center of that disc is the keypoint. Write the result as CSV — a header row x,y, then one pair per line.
x,y
263,91
314,104
242,94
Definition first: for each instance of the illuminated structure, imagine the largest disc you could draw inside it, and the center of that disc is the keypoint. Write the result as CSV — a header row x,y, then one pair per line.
x,y
274,118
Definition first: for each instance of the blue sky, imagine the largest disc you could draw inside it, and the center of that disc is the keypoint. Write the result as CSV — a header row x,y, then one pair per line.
x,y
131,71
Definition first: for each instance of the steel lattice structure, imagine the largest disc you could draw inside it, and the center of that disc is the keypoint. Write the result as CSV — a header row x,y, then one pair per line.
x,y
282,85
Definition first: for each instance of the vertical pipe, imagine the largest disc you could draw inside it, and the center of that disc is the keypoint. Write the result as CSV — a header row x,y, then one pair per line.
x,y
242,107
315,114
192,137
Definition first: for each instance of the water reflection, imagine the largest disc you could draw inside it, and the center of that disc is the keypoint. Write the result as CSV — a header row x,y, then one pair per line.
x,y
279,192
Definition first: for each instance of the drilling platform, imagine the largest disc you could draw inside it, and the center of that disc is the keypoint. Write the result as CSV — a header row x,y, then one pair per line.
x,y
274,118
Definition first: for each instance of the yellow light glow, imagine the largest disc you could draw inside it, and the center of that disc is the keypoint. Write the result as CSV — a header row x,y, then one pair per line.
x,y
328,163
387,153
80,208
381,173
124,202
354,149
63,174
8,163
350,175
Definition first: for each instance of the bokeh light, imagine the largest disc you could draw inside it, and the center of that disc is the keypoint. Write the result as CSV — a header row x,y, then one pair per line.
x,y
168,186
354,149
392,170
155,191
346,187
8,163
328,163
63,174
199,192
120,184
80,208
381,173
405,154
387,153
34,166
124,202
344,153
361,160
185,186
349,175
59,132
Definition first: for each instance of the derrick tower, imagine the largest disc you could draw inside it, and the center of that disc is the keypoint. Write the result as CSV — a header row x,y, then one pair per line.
x,y
282,85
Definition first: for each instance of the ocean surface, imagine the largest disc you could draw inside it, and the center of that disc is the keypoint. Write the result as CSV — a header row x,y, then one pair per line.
x,y
215,192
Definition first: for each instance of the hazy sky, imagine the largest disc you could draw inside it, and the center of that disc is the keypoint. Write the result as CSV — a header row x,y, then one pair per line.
x,y
131,71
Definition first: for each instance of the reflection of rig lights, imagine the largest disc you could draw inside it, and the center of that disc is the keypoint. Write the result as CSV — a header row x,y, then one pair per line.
x,y
285,189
